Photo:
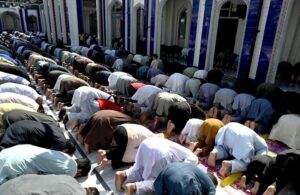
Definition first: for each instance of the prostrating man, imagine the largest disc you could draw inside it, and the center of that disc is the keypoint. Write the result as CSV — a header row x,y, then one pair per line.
x,y
17,115
28,159
8,97
239,142
128,137
45,184
38,134
98,131
21,89
6,77
153,155
6,107
184,178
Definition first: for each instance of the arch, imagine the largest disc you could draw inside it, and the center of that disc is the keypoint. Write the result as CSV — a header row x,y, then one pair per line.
x,y
135,27
213,31
32,23
167,31
113,21
10,21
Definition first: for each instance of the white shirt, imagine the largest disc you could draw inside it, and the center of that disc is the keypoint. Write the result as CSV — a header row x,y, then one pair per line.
x,y
191,129
9,97
13,78
113,78
153,155
176,83
59,79
19,89
159,80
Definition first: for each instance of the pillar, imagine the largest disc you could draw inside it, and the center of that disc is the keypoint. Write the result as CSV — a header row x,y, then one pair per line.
x,y
268,41
52,21
47,19
99,22
73,22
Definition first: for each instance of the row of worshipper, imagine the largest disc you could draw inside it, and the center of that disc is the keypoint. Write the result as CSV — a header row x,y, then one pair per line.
x,y
121,80
116,159
265,90
208,102
33,143
202,186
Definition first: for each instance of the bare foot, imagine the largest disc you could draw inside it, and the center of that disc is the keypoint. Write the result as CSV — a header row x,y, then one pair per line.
x,y
255,188
192,146
80,138
212,159
87,148
104,163
198,151
128,105
156,122
243,182
75,124
247,123
130,188
170,127
226,164
271,190
100,155
120,178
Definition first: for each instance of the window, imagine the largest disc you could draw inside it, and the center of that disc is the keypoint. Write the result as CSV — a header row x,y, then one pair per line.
x,y
182,25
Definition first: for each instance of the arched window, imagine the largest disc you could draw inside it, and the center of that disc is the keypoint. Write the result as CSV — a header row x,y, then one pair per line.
x,y
182,25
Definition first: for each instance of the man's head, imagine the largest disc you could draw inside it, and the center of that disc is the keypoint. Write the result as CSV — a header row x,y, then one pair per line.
x,y
92,191
41,109
213,178
70,147
39,100
83,167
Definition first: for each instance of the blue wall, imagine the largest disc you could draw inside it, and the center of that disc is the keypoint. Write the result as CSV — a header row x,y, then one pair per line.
x,y
145,38
193,32
128,23
80,16
249,39
268,41
152,26
205,33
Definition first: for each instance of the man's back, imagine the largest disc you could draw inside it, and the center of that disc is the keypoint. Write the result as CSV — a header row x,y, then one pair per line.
x,y
29,159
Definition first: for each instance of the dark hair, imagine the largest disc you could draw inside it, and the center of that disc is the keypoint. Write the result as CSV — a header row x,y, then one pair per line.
x,y
155,56
197,112
70,146
92,191
84,166
41,109
213,178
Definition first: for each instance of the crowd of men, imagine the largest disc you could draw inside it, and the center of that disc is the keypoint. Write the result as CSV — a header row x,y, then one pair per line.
x,y
149,117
